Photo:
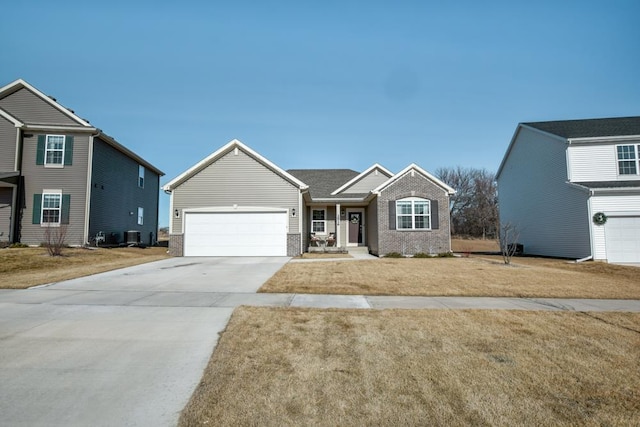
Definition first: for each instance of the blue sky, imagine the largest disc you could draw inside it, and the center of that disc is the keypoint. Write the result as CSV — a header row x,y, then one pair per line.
x,y
326,84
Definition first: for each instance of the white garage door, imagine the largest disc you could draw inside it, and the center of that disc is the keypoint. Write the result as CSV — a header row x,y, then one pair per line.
x,y
623,239
235,234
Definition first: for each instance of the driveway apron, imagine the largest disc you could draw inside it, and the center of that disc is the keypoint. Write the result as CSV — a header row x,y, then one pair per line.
x,y
126,347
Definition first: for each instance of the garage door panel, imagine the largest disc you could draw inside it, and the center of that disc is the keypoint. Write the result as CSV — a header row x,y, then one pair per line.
x,y
236,234
622,237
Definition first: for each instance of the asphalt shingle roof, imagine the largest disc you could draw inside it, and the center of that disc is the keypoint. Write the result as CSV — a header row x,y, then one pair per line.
x,y
323,182
586,128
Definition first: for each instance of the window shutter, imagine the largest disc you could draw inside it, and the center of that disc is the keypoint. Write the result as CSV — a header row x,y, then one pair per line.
x,y
68,150
435,220
37,208
40,153
392,214
66,205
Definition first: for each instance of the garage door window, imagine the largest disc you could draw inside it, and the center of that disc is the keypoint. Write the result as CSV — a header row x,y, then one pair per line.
x,y
318,221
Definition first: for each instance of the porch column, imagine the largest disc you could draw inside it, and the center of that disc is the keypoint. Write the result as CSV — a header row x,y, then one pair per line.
x,y
337,224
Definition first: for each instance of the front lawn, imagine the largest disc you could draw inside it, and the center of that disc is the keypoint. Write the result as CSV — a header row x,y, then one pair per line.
x,y
25,267
298,366
472,276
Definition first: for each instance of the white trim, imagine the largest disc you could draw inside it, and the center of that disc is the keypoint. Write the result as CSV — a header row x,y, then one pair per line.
x,y
324,221
16,123
362,175
614,138
19,84
338,224
46,149
413,214
221,152
50,224
416,168
87,204
171,214
363,224
19,149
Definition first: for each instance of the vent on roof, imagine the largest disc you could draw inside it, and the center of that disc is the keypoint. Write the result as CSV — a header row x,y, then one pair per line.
x,y
51,97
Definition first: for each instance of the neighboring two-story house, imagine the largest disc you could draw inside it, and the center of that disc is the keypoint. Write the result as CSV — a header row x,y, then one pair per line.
x,y
57,170
572,188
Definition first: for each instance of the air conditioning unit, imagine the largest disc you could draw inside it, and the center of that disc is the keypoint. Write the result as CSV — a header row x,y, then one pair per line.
x,y
132,237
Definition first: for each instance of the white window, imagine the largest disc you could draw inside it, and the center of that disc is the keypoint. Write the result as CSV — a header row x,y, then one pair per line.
x,y
54,150
413,213
51,209
141,176
318,221
628,156
140,216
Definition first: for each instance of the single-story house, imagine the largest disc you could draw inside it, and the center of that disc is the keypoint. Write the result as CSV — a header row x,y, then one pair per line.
x,y
235,202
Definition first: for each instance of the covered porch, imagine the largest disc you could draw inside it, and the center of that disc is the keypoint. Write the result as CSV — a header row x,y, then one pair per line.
x,y
334,228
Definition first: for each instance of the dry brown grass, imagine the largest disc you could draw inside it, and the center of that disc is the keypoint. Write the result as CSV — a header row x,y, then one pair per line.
x,y
473,276
278,367
474,245
24,267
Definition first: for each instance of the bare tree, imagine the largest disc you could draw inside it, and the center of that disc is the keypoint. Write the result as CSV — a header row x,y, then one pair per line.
x,y
54,239
508,239
474,207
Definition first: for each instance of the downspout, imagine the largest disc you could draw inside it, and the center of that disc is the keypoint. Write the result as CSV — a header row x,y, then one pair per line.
x,y
589,214
87,203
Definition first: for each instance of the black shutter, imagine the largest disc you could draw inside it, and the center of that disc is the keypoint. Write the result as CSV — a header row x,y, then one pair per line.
x,y
40,153
37,208
68,150
435,222
392,214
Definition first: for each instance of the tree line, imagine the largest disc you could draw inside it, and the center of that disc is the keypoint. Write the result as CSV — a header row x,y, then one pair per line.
x,y
474,207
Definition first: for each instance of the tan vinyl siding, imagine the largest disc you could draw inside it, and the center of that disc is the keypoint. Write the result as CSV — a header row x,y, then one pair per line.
x,y
6,199
236,180
29,108
7,146
367,183
70,179
552,216
115,194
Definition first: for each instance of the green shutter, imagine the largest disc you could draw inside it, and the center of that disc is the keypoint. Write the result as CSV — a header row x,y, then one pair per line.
x,y
66,205
68,150
37,208
40,152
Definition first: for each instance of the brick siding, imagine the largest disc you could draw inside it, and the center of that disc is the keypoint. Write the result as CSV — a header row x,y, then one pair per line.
x,y
409,242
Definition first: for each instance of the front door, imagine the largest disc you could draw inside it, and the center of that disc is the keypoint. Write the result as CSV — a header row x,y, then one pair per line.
x,y
356,228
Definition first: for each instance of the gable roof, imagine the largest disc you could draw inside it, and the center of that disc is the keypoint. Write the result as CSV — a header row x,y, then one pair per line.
x,y
20,84
362,175
421,171
231,145
590,128
322,182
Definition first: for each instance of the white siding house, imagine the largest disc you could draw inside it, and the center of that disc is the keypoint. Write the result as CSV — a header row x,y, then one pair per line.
x,y
572,188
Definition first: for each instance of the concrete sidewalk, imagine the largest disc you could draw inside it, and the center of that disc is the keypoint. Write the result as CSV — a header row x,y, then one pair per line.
x,y
155,298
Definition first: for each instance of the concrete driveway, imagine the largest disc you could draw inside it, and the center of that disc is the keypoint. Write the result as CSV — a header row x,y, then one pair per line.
x,y
120,348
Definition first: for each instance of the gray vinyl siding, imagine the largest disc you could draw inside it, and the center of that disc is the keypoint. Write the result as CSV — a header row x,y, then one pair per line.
x,y
7,145
29,108
551,216
236,180
6,199
367,183
372,226
115,195
70,179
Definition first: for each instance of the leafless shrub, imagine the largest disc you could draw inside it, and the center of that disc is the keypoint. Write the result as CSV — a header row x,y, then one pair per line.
x,y
54,239
508,236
